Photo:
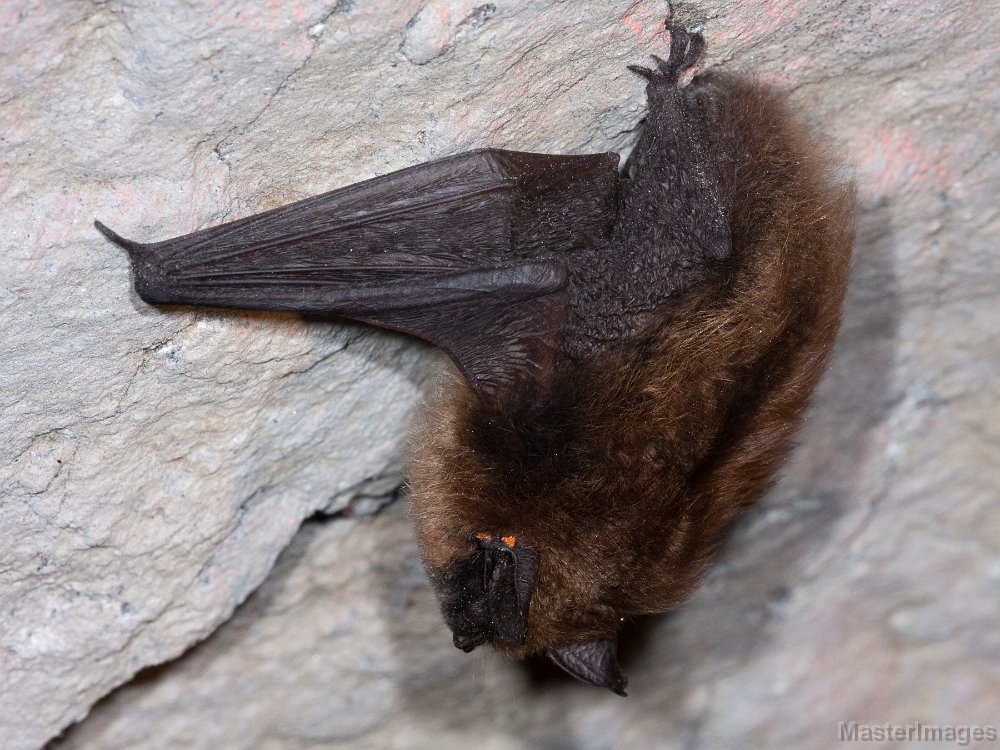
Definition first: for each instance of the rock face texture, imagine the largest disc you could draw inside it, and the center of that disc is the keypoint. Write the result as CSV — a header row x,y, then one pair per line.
x,y
155,463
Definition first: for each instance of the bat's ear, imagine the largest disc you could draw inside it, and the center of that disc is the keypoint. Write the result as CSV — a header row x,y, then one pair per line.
x,y
593,662
509,587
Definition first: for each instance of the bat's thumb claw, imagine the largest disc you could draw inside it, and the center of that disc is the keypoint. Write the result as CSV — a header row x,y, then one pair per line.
x,y
112,235
151,283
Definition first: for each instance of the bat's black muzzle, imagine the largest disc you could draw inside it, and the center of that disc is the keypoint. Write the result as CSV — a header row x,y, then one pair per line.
x,y
486,594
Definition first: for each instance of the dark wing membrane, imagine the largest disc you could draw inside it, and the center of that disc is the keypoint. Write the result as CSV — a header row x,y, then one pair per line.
x,y
464,252
500,326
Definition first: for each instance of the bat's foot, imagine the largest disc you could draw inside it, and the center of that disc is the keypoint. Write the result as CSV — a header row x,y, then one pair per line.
x,y
686,46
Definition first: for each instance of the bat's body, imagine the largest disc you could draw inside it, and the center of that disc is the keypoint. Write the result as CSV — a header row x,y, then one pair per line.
x,y
636,349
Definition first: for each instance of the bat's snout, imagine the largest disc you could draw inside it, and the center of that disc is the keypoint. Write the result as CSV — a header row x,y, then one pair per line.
x,y
486,593
467,642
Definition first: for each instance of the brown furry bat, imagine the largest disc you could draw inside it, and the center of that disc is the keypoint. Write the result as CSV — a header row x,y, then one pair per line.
x,y
635,349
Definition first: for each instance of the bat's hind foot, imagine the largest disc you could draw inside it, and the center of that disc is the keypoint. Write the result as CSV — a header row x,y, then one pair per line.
x,y
686,46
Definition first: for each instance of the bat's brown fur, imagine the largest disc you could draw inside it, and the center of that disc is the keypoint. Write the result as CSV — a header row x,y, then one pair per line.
x,y
625,481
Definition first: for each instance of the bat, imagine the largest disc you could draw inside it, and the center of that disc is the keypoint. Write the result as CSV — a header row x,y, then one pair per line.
x,y
633,349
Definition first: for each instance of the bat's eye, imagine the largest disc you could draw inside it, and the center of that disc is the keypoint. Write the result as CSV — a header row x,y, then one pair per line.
x,y
487,571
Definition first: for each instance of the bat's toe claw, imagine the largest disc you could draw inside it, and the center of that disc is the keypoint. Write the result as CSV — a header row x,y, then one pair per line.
x,y
678,42
696,45
686,46
642,71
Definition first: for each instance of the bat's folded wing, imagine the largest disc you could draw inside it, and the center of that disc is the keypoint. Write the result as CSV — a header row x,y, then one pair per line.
x,y
470,253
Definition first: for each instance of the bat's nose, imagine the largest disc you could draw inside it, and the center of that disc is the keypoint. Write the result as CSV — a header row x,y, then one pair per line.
x,y
467,642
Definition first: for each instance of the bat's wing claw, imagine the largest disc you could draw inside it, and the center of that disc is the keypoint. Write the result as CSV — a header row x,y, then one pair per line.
x,y
112,235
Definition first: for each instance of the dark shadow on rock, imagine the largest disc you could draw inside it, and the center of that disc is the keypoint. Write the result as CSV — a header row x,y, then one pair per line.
x,y
384,356
229,635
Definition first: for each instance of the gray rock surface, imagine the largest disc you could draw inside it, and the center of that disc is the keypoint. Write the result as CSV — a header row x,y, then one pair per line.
x,y
154,463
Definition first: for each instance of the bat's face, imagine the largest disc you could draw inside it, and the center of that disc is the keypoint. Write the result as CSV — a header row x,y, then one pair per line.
x,y
486,593
520,597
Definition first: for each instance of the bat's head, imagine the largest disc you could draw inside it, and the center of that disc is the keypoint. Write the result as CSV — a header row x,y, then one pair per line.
x,y
487,592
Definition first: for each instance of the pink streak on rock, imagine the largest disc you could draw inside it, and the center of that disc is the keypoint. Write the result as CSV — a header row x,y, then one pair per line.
x,y
895,160
752,21
645,23
125,195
